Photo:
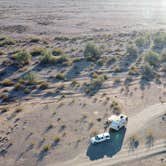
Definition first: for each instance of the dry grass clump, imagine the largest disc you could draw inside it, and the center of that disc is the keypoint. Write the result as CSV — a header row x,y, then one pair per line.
x,y
133,142
57,52
43,85
56,139
152,58
4,110
35,51
159,40
48,58
2,52
60,76
22,58
133,70
148,72
46,148
115,106
92,52
7,82
95,84
142,41
6,41
132,51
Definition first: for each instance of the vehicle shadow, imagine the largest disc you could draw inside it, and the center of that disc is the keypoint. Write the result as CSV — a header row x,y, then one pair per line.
x,y
108,148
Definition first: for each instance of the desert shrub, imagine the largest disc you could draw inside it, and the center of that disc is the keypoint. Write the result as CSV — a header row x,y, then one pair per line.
x,y
133,71
61,38
140,42
35,51
163,67
29,78
7,82
46,148
74,83
92,52
111,60
63,60
5,41
4,97
43,85
94,84
57,52
152,58
163,56
4,110
148,72
34,39
56,139
115,107
18,86
2,52
60,76
47,58
159,41
132,51
133,142
22,58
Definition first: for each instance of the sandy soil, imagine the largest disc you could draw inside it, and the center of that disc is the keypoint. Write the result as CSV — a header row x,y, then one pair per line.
x,y
77,17
33,121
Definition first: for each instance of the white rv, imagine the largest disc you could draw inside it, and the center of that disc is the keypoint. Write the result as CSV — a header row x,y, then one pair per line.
x,y
117,121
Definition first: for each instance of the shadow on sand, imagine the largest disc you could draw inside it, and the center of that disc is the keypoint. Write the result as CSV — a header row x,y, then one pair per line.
x,y
109,148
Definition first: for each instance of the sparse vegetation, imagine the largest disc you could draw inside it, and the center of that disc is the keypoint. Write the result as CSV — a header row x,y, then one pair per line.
x,y
147,72
22,58
92,52
5,41
57,52
36,51
152,58
115,107
60,76
7,82
28,79
159,40
94,84
43,85
132,51
46,148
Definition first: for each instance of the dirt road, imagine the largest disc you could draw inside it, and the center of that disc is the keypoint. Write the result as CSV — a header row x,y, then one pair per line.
x,y
136,123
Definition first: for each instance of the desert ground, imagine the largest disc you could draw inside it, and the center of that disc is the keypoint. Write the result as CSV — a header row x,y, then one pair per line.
x,y
66,66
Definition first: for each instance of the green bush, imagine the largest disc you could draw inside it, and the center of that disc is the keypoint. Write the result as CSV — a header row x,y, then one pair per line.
x,y
47,58
37,51
7,82
132,51
152,58
5,41
92,52
43,85
163,56
159,41
22,58
60,76
94,84
29,78
142,41
57,52
147,72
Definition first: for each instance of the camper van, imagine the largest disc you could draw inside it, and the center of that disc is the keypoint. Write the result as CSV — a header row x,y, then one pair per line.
x,y
116,122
